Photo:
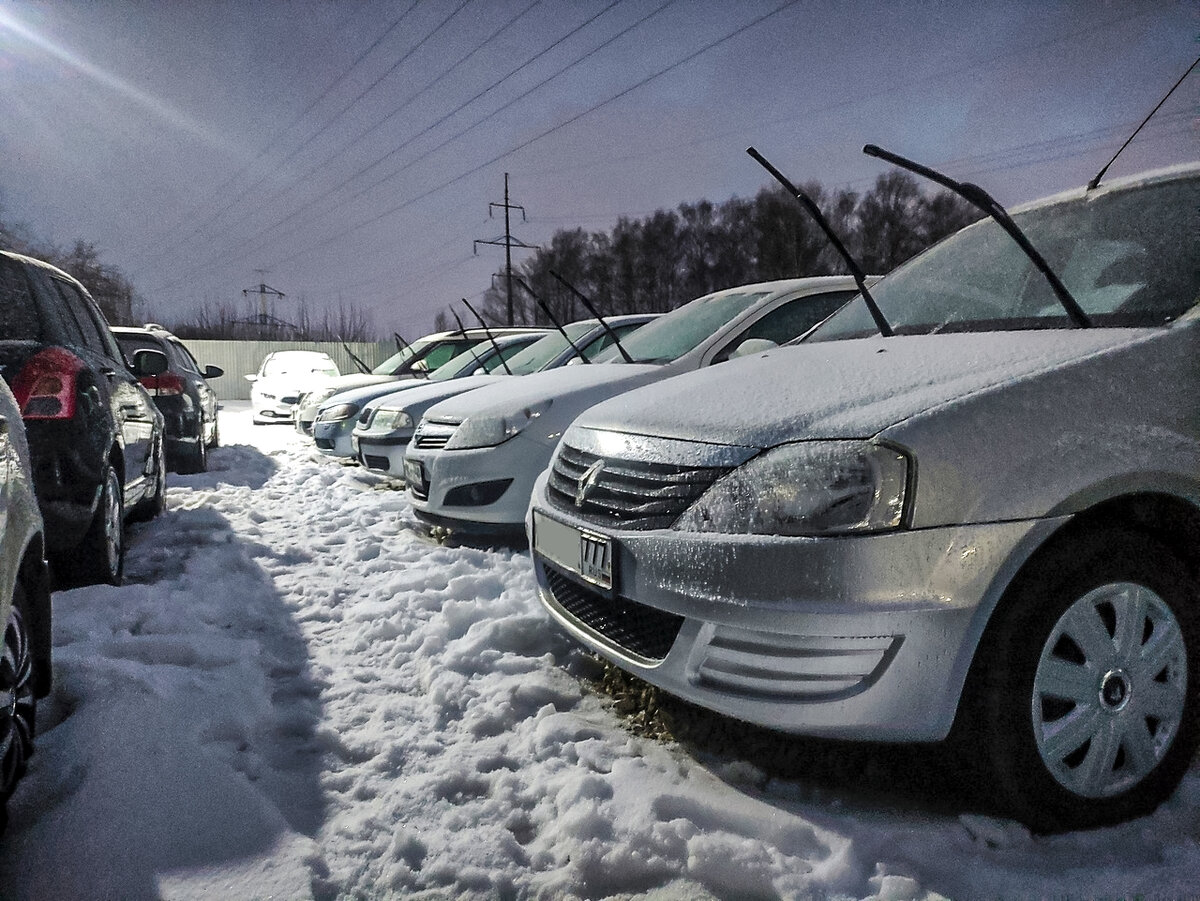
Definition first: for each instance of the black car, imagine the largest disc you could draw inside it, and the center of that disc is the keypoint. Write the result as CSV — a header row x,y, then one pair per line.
x,y
95,436
187,403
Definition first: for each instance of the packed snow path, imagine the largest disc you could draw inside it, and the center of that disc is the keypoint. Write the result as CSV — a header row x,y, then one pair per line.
x,y
297,695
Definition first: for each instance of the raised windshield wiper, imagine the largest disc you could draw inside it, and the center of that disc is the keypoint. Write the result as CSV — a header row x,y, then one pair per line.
x,y
487,331
591,309
558,325
471,348
978,197
400,342
363,367
860,279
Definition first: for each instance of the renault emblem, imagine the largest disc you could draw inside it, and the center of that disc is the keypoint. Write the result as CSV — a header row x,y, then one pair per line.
x,y
587,482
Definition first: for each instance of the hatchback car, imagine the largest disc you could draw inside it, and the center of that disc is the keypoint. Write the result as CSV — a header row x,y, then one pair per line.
x,y
386,424
985,527
336,418
181,393
95,436
25,674
282,378
472,462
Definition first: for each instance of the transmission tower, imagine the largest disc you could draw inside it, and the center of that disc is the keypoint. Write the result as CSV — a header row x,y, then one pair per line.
x,y
507,241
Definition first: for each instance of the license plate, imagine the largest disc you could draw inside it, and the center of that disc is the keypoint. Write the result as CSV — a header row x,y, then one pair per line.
x,y
413,473
586,554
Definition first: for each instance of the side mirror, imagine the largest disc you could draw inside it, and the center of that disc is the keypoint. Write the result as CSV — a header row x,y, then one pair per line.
x,y
251,378
752,346
149,362
212,372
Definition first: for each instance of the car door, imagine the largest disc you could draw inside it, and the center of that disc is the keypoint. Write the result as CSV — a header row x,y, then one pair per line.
x,y
182,359
133,411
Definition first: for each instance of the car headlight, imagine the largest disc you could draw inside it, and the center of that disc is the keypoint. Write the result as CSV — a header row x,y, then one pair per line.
x,y
317,397
808,488
391,419
338,412
489,431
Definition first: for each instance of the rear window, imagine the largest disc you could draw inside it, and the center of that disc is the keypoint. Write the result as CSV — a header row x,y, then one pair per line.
x,y
18,317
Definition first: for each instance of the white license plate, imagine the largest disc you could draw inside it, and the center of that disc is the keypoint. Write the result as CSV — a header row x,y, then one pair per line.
x,y
413,474
586,554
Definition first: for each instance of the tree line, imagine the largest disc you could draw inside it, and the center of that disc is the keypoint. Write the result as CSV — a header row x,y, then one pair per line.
x,y
659,262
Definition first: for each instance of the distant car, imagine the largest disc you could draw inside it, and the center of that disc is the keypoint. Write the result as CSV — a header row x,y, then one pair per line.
x,y
984,526
386,425
95,437
25,674
182,395
337,416
473,459
414,361
283,377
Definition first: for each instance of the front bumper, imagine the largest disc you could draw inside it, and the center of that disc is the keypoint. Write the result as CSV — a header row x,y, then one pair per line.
x,y
519,460
383,453
333,437
866,637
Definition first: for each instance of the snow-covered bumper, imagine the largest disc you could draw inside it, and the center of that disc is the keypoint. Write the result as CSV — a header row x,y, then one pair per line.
x,y
333,437
478,491
859,637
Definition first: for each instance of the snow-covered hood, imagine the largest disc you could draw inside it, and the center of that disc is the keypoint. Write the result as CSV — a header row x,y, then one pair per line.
x,y
426,393
357,380
843,389
553,384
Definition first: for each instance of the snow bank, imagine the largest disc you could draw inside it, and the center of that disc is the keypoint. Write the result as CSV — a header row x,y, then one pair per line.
x,y
297,695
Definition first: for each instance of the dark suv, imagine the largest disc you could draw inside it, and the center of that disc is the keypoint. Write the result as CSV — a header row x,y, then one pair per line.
x,y
95,436
187,403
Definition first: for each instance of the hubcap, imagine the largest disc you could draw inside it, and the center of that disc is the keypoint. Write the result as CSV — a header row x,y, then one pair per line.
x,y
16,719
1110,690
112,523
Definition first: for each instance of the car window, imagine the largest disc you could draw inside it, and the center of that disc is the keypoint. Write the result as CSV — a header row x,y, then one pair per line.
x,y
674,334
534,357
19,320
180,354
494,363
58,322
789,320
131,344
445,351
79,307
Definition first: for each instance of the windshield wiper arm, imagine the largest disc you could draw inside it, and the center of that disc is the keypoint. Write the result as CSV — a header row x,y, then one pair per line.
x,y
545,309
860,279
591,309
471,348
487,331
978,197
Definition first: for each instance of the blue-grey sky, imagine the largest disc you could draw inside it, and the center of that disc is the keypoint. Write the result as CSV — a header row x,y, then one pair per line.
x,y
347,152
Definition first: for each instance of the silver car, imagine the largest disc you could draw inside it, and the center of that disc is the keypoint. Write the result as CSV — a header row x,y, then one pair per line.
x,y
24,600
985,527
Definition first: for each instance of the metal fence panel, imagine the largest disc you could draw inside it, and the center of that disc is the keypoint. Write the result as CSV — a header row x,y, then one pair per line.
x,y
242,358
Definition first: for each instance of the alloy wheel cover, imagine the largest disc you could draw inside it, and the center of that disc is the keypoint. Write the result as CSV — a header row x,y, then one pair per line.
x,y
1110,690
16,702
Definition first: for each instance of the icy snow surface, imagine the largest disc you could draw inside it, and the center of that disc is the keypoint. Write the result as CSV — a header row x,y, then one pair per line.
x,y
296,695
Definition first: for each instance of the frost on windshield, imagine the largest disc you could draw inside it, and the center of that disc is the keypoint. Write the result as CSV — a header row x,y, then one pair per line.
x,y
1129,257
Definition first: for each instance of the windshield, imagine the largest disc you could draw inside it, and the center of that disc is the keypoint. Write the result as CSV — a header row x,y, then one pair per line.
x,y
467,361
535,357
671,336
1130,258
392,363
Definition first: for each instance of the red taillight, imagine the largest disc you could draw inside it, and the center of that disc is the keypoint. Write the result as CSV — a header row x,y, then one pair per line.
x,y
45,387
164,383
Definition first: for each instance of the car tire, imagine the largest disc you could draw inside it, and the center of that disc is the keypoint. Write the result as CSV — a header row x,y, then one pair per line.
x,y
195,459
102,552
216,434
18,707
1087,684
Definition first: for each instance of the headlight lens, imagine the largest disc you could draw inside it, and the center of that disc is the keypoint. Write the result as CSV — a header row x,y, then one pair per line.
x,y
809,488
338,412
479,431
391,419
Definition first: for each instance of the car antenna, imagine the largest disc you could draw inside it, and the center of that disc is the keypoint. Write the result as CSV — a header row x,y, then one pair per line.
x,y
980,198
591,309
363,367
1095,182
463,331
487,331
807,202
558,325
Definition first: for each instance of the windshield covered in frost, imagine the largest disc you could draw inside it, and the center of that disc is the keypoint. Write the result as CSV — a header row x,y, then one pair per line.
x,y
1130,258
534,357
674,334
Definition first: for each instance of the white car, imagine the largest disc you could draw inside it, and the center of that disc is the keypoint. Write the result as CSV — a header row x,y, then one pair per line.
x,y
386,425
986,526
25,674
283,376
472,462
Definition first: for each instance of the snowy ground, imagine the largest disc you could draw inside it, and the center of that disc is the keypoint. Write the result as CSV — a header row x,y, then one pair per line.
x,y
296,695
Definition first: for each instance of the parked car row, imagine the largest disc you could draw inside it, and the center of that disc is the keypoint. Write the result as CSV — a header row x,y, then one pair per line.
x,y
961,505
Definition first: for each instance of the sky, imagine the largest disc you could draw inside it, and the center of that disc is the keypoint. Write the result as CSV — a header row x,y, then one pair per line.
x,y
351,154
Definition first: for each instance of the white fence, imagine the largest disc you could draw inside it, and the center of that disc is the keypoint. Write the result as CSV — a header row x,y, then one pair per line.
x,y
241,358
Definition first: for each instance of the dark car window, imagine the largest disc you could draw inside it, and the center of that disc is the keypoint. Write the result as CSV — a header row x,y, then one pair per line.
x,y
18,317
78,305
131,344
59,325
184,357
444,352
790,320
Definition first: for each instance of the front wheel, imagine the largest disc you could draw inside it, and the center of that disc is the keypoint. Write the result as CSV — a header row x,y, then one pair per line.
x,y
1091,680
18,706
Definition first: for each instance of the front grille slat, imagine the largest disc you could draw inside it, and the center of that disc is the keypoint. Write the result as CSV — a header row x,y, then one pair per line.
x,y
628,493
634,628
